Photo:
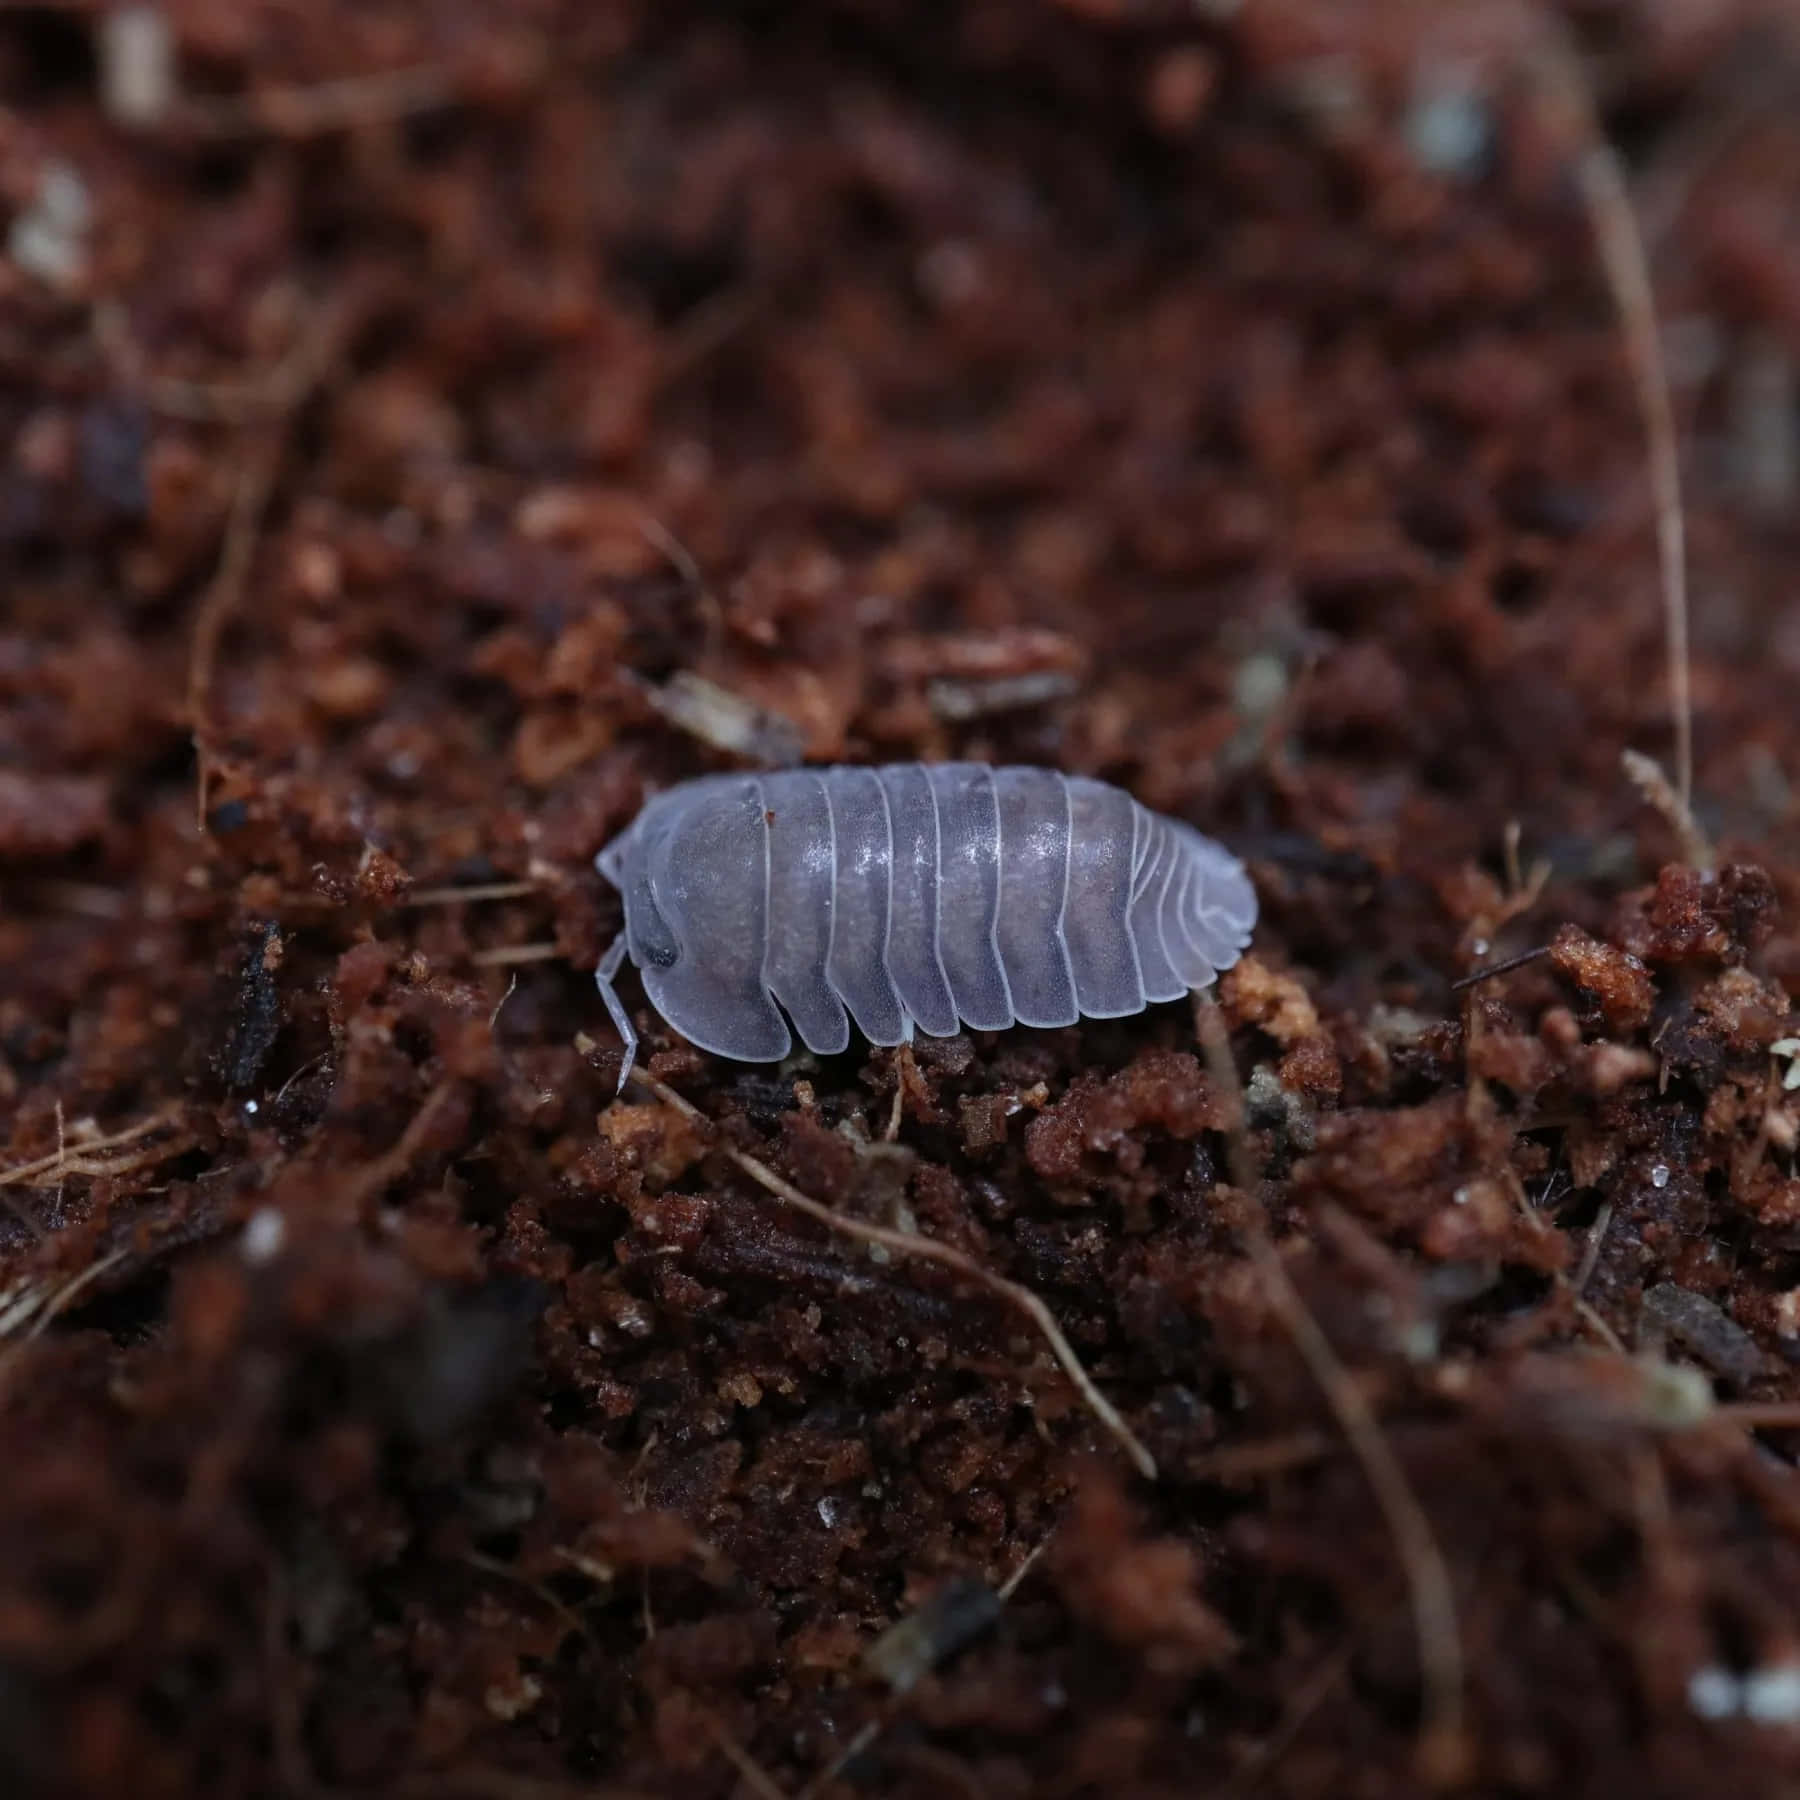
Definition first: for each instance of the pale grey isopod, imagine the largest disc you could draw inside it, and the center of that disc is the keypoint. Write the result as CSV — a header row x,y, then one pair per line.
x,y
907,898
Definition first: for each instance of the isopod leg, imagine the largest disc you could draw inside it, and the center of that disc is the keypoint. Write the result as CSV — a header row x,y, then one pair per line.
x,y
610,964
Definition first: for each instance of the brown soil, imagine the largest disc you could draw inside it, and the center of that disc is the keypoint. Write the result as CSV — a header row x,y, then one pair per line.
x,y
460,419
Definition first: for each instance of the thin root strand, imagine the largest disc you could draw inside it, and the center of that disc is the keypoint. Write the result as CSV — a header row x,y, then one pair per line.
x,y
902,1243
1427,1574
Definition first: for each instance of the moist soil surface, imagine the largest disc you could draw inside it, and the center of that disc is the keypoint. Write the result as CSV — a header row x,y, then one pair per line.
x,y
429,430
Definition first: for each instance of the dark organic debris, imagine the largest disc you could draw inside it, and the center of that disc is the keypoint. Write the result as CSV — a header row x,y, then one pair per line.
x,y
426,431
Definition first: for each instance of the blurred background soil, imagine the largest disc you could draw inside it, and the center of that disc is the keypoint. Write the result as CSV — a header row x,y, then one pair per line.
x,y
427,428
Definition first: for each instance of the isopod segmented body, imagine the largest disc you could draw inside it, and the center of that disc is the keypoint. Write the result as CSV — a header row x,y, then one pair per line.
x,y
909,898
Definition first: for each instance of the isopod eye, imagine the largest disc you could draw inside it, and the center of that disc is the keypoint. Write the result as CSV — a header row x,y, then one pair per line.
x,y
661,956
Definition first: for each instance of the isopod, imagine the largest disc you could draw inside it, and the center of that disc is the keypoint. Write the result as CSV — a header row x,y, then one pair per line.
x,y
907,898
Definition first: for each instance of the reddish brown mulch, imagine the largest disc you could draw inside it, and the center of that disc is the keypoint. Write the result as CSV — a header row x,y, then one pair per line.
x,y
441,411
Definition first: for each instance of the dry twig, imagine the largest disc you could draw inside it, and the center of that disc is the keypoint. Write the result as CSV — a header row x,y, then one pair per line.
x,y
64,1296
304,110
1604,190
500,1004
755,1776
1272,1456
41,1305
456,896
1761,1415
287,388
685,564
1427,1574
1583,1309
368,1181
918,1643
243,526
64,1161
1590,1251
502,955
904,1243
1302,1704
1645,774
1504,967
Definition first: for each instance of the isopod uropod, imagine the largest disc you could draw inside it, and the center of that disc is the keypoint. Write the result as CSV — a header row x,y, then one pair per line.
x,y
910,897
